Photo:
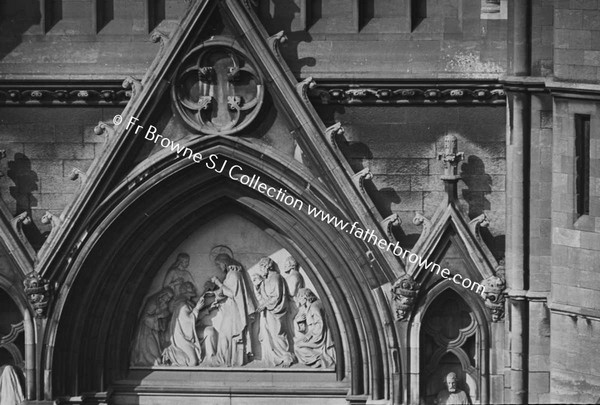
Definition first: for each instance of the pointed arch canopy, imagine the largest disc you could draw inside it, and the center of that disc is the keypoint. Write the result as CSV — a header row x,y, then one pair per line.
x,y
135,229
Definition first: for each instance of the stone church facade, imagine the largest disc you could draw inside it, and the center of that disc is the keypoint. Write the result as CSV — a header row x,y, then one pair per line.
x,y
160,163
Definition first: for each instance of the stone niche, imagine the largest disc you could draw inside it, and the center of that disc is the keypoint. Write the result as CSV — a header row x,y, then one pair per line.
x,y
230,296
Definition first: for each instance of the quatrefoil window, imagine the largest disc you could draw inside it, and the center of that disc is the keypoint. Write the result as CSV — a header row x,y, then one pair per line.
x,y
217,90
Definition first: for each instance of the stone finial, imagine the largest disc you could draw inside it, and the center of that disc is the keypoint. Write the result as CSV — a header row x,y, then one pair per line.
x,y
360,177
494,293
38,292
388,223
135,85
451,157
404,293
104,129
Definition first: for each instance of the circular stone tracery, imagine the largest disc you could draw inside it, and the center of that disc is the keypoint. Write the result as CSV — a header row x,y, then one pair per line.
x,y
217,90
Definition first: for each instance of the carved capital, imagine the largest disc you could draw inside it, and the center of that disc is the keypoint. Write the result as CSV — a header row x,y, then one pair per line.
x,y
360,177
404,293
38,292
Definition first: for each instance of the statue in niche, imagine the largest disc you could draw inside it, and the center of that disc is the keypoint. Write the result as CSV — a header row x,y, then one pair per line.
x,y
186,349
178,274
452,395
150,339
272,296
235,305
313,343
11,392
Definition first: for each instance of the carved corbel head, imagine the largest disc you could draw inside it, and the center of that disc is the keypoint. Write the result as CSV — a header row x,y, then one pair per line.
x,y
494,293
404,292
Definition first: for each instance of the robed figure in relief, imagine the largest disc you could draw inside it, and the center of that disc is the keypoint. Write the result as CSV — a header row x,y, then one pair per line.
x,y
150,338
312,342
272,295
235,306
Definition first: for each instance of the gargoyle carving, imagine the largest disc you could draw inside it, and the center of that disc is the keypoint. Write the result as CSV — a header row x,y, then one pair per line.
x,y
38,292
404,293
388,223
494,293
360,177
104,129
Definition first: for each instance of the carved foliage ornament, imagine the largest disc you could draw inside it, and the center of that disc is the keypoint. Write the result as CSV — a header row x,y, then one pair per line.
x,y
38,292
217,89
404,292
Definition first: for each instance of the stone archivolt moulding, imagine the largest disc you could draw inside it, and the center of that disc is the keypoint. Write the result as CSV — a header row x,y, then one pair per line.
x,y
217,90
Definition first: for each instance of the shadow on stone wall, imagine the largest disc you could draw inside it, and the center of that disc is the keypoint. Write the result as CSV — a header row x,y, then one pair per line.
x,y
16,18
26,183
284,12
479,186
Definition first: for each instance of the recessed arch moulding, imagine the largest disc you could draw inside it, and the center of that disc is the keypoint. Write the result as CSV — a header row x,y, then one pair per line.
x,y
109,290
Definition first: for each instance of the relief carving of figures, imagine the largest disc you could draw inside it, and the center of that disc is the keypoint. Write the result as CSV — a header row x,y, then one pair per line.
x,y
271,292
313,343
235,305
178,274
186,348
294,282
150,338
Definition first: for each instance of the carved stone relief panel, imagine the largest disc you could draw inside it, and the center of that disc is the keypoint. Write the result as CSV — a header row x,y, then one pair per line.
x,y
231,296
217,90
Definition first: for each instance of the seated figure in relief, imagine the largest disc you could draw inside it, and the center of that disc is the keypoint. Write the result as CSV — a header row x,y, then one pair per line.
x,y
452,395
178,274
186,349
150,339
11,392
272,296
235,306
312,342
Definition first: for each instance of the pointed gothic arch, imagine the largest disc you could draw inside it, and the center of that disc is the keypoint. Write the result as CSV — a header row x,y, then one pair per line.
x,y
113,267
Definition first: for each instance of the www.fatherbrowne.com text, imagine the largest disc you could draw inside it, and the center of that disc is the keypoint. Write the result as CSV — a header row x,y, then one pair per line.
x,y
235,172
